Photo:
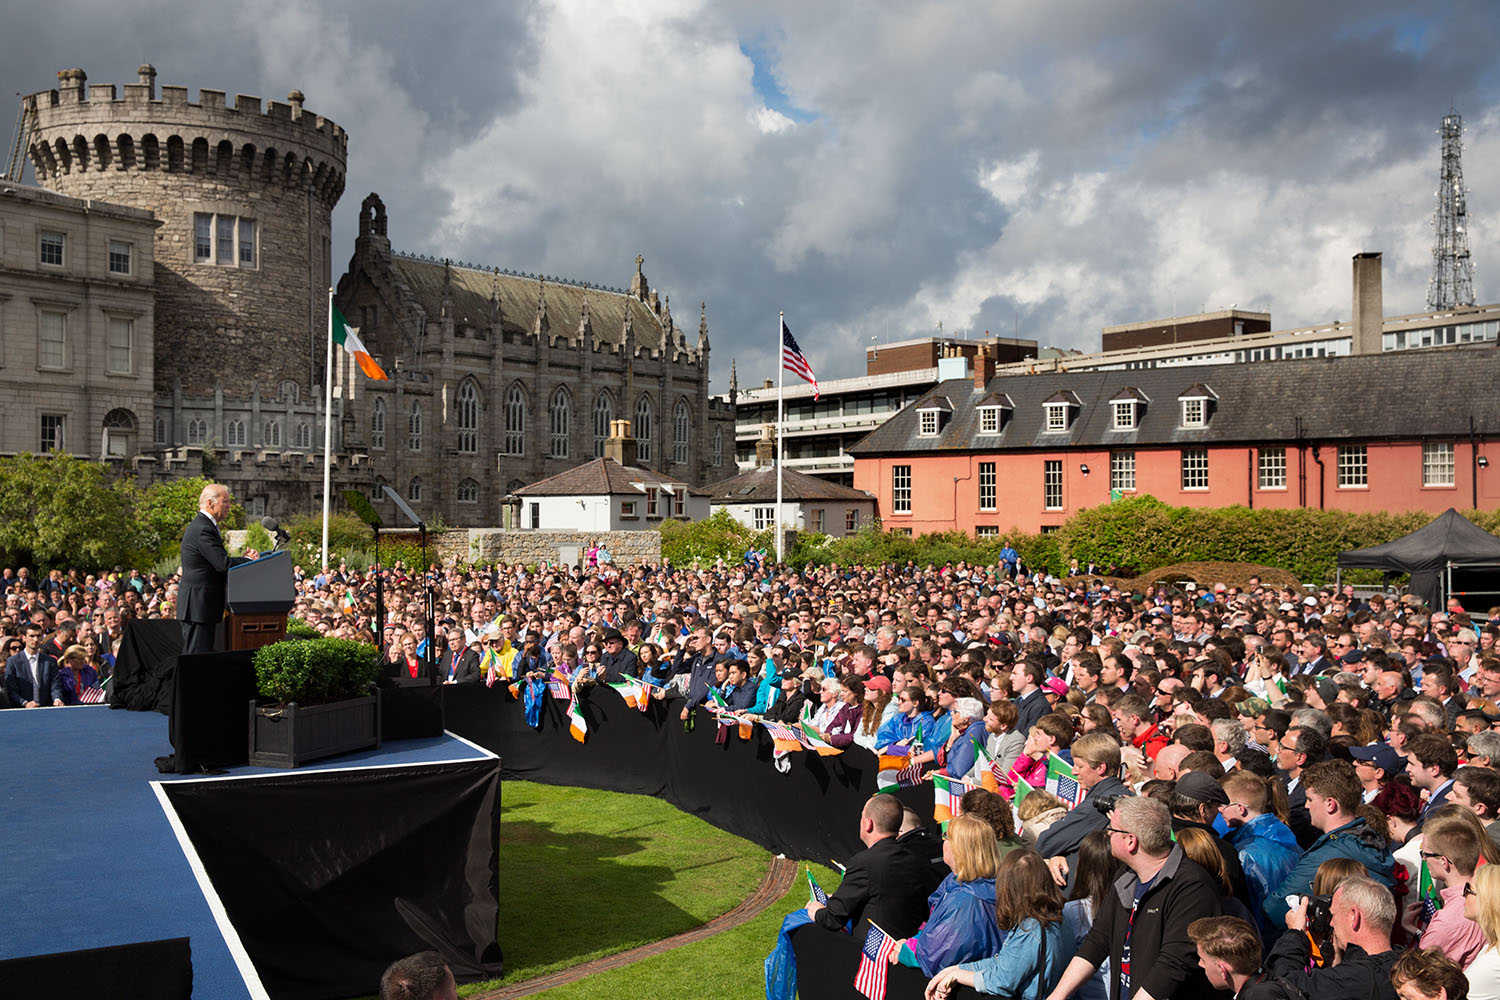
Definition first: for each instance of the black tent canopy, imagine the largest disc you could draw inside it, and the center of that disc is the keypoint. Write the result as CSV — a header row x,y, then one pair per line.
x,y
1430,553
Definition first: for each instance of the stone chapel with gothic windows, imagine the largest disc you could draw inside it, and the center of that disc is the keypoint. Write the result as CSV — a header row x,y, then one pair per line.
x,y
499,379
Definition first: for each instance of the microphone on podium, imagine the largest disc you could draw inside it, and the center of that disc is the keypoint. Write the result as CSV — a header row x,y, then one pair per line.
x,y
270,524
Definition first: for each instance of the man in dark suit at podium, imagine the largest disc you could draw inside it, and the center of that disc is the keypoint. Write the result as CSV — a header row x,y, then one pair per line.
x,y
205,571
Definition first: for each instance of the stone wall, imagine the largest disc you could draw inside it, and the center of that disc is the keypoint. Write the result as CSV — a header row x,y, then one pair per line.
x,y
491,545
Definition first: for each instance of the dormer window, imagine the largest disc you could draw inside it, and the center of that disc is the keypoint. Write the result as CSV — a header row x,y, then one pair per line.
x,y
994,410
1060,409
1197,405
1126,408
932,414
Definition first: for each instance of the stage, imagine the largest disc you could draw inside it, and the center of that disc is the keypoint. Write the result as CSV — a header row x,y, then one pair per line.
x,y
102,850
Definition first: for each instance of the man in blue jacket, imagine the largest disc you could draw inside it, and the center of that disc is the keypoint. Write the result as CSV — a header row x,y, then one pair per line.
x,y
1333,795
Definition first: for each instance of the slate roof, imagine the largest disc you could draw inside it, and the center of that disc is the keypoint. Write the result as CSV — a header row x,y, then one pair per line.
x,y
472,289
600,477
1396,395
759,485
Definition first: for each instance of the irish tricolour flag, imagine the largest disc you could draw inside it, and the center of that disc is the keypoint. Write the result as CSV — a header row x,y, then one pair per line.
x,y
345,336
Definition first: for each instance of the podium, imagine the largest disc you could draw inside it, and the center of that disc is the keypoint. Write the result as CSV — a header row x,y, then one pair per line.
x,y
260,594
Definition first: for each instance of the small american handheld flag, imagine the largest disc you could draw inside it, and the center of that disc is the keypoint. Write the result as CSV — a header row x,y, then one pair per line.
x,y
875,962
794,361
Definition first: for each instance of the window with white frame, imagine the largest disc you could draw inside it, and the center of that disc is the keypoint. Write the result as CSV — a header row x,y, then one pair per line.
x,y
52,339
928,422
1437,463
414,427
468,491
270,434
120,334
468,418
851,519
651,503
1270,468
989,420
1052,484
515,420
986,485
1124,415
234,433
986,531
224,240
119,257
53,249
1195,412
559,421
1122,471
1353,467
377,423
679,502
901,489
815,519
764,517
54,432
682,429
1195,468
628,509
1057,416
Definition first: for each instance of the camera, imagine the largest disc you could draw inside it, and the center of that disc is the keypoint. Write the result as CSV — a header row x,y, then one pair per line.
x,y
1320,917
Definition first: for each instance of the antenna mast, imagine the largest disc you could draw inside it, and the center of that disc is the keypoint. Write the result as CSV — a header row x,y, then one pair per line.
x,y
1452,281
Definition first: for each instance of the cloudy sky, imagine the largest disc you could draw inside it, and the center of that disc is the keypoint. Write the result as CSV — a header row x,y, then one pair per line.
x,y
875,168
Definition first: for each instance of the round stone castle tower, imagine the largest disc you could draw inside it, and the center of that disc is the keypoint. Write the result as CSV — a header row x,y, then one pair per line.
x,y
244,196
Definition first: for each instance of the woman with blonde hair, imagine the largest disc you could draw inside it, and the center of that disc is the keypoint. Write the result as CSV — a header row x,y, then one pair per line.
x,y
80,681
1483,907
1038,942
961,927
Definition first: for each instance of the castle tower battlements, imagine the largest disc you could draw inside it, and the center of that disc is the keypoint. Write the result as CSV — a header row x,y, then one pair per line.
x,y
245,196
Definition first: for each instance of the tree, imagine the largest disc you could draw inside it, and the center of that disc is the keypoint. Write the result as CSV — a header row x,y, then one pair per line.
x,y
58,510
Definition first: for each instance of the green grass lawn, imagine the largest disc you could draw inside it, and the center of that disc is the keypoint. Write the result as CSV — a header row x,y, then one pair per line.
x,y
727,966
585,873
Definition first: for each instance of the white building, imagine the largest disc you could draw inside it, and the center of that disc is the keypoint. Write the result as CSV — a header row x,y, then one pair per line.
x,y
808,503
606,494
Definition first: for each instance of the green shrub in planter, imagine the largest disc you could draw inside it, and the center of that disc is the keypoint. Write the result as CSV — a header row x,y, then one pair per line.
x,y
296,628
314,670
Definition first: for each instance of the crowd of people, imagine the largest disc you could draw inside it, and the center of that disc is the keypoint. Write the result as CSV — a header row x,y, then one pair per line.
x,y
1283,793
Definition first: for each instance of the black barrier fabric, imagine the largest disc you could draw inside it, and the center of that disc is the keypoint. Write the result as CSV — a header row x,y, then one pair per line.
x,y
809,812
329,875
142,679
210,718
149,970
827,962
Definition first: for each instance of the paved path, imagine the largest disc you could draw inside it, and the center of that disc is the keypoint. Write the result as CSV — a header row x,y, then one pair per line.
x,y
778,880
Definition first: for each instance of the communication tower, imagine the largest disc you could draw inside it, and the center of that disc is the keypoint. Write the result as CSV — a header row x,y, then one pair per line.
x,y
1452,281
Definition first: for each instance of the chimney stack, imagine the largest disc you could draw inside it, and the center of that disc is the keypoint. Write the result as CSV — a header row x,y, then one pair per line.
x,y
620,446
984,368
1369,316
765,448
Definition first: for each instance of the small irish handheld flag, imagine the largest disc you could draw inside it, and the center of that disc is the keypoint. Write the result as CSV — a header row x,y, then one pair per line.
x,y
989,777
947,798
346,337
576,724
629,689
783,739
813,741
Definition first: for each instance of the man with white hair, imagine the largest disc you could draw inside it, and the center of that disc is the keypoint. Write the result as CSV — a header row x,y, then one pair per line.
x,y
1363,913
205,571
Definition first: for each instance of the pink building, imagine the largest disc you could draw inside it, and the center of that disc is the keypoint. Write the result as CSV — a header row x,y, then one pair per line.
x,y
1395,431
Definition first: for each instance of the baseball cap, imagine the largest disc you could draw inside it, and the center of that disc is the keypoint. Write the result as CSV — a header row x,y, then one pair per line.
x,y
1252,707
1382,755
1201,787
1056,686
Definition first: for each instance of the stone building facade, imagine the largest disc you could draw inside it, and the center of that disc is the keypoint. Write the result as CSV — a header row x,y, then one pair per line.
x,y
242,260
76,311
500,379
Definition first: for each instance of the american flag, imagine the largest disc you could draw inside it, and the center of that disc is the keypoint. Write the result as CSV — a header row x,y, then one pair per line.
x,y
875,962
793,360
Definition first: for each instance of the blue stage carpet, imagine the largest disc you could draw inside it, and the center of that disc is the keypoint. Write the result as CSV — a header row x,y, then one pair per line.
x,y
90,858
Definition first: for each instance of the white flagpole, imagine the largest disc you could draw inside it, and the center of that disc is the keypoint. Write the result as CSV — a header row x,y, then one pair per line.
x,y
780,377
327,429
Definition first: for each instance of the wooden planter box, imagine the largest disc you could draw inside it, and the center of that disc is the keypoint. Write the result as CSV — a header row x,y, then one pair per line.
x,y
293,735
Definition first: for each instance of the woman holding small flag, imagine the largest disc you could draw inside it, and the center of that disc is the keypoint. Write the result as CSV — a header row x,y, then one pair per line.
x,y
961,927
